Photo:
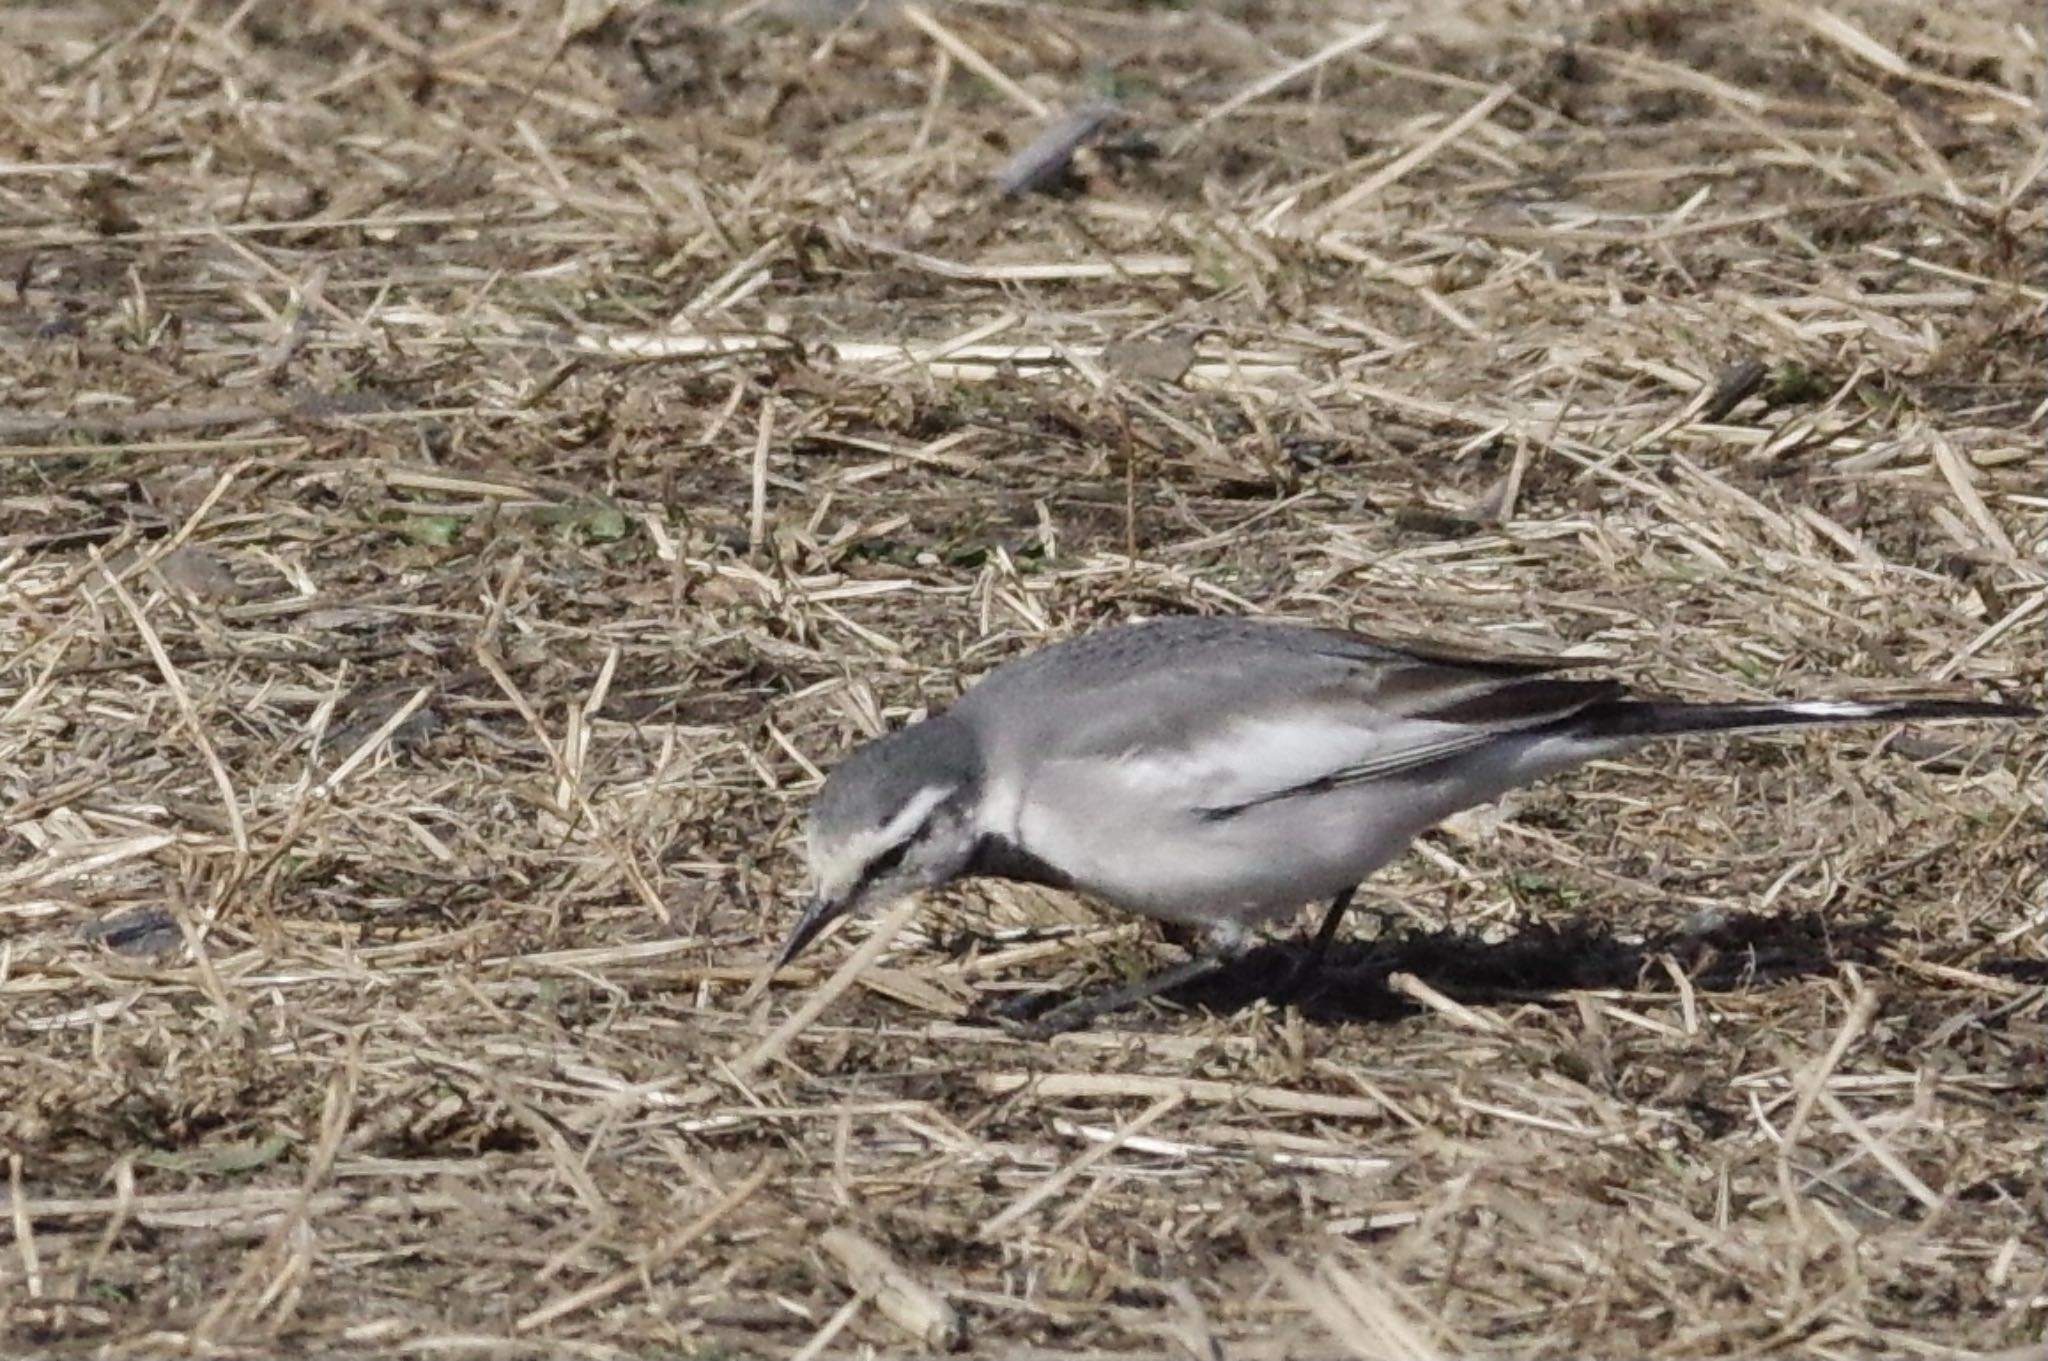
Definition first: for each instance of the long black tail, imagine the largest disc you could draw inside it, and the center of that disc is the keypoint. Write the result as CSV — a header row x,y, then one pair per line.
x,y
1627,718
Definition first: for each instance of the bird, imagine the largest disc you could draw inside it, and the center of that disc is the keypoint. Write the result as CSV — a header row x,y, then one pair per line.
x,y
1220,773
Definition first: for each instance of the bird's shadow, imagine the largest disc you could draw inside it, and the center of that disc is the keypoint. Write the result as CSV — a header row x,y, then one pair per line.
x,y
1739,950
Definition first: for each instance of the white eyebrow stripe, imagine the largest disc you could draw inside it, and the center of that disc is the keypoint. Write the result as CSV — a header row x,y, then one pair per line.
x,y
910,816
845,869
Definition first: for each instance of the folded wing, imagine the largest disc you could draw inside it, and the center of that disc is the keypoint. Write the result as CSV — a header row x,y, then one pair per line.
x,y
1227,726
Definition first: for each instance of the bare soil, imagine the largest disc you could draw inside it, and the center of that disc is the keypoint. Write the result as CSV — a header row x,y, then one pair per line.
x,y
465,469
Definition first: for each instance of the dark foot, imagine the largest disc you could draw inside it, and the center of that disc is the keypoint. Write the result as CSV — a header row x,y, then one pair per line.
x,y
1310,962
1015,1010
1088,1007
1296,982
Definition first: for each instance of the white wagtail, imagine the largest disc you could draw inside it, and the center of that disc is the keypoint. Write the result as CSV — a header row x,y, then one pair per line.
x,y
1220,773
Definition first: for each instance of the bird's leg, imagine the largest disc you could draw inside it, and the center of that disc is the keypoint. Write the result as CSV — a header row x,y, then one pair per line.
x,y
1221,946
1311,959
1089,1007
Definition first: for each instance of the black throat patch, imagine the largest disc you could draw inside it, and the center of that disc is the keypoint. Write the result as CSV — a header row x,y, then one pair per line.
x,y
997,858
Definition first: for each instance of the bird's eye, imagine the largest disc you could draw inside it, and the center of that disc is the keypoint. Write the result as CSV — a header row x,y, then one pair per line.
x,y
887,861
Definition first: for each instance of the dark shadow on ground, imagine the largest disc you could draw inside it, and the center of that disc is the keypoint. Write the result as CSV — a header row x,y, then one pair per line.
x,y
1536,964
2033,972
1540,962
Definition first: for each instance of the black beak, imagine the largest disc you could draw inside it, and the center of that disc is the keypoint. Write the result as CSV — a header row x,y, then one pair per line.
x,y
819,913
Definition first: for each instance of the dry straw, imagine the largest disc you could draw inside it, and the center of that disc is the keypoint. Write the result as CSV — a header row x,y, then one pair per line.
x,y
466,470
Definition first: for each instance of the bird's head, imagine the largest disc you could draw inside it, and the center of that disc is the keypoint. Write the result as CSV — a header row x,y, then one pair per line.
x,y
897,815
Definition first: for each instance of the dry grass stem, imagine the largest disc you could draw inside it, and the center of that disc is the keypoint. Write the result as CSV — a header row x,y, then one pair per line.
x,y
902,1298
466,472
820,999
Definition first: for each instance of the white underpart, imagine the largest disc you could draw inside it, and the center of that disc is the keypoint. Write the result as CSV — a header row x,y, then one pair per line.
x,y
1140,830
839,867
1256,815
1236,763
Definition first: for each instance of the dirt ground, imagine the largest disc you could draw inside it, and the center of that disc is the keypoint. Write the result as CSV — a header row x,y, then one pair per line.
x,y
466,468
